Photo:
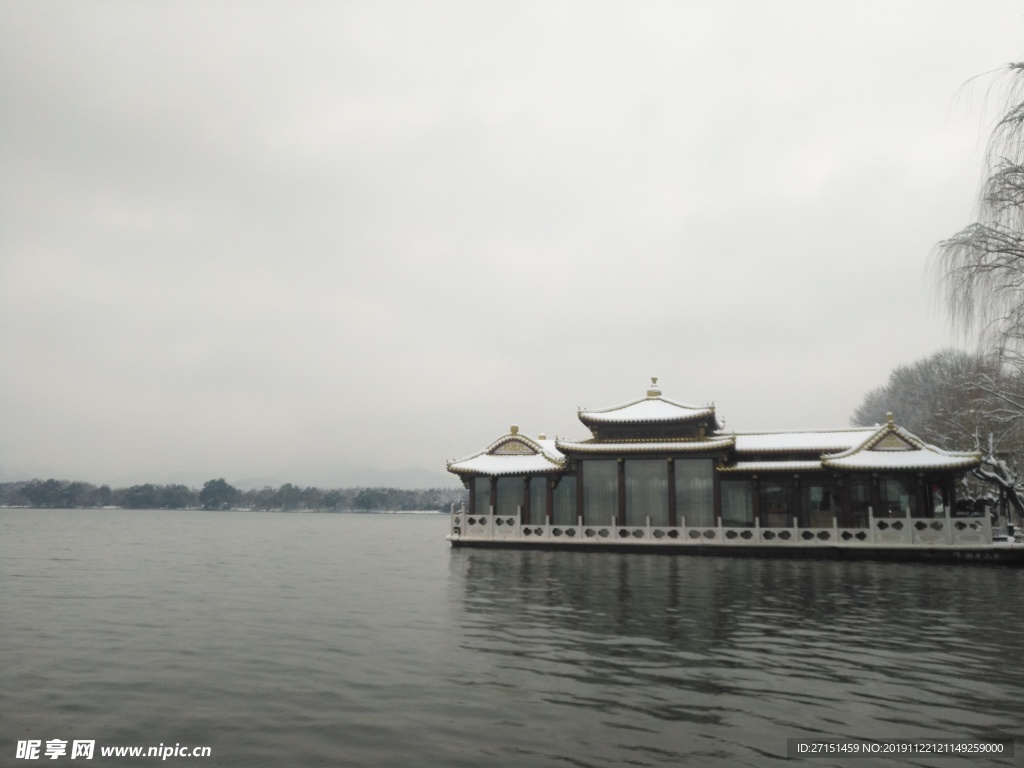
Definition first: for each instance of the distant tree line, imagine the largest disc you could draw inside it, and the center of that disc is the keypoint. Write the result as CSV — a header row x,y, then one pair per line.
x,y
219,494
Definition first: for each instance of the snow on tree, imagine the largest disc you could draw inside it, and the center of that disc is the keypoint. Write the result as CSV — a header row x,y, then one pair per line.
x,y
980,273
980,269
962,401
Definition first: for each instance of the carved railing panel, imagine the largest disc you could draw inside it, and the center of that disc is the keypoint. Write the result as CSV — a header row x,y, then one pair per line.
x,y
972,530
892,531
907,531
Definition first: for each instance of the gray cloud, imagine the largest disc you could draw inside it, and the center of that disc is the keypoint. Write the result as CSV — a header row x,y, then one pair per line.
x,y
240,239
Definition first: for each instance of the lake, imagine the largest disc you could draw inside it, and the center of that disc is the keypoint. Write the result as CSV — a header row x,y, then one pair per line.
x,y
295,639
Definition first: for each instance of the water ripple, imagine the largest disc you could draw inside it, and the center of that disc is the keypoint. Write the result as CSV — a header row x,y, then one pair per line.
x,y
291,639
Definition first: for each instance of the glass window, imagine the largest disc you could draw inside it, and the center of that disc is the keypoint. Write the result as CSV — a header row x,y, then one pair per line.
x,y
564,501
695,492
776,504
896,495
860,500
737,503
481,495
510,495
538,500
600,491
646,491
819,503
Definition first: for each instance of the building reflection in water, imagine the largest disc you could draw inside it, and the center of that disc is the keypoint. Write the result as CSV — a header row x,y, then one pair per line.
x,y
749,650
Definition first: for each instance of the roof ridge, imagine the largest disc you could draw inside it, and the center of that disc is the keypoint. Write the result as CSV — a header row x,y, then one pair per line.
x,y
808,431
639,400
615,441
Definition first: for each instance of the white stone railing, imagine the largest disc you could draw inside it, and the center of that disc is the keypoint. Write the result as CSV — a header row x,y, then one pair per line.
x,y
896,532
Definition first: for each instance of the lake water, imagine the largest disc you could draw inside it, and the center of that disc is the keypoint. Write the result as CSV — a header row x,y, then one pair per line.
x,y
362,640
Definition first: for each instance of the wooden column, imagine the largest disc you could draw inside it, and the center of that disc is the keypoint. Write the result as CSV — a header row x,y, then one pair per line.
x,y
796,508
494,496
549,501
620,516
579,492
876,497
525,517
755,498
673,516
716,494
843,513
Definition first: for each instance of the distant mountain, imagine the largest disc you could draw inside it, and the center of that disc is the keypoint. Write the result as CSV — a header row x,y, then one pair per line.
x,y
21,474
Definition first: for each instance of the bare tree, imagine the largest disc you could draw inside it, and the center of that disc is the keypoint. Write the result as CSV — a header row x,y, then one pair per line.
x,y
1000,407
980,269
980,273
936,398
963,401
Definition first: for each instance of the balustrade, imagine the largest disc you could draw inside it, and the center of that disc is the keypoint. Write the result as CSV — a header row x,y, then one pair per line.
x,y
899,532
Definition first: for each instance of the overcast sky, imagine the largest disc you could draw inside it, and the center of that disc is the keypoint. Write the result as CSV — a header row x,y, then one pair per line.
x,y
277,241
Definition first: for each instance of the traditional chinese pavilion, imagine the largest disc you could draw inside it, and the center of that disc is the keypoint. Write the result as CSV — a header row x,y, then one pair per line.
x,y
656,472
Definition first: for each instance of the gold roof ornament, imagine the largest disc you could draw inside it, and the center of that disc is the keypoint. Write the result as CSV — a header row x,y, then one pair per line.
x,y
654,390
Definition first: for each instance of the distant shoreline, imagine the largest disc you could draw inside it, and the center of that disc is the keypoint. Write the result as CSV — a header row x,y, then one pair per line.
x,y
218,494
238,509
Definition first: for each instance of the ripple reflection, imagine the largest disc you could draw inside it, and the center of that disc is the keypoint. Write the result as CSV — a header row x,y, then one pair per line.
x,y
666,659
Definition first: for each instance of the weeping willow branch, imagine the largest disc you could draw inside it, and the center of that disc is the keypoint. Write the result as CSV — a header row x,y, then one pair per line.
x,y
980,269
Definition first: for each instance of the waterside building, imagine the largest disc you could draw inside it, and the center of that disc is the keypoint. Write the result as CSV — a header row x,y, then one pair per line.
x,y
656,472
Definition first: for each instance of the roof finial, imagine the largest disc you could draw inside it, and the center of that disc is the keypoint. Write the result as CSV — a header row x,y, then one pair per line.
x,y
654,390
888,419
514,429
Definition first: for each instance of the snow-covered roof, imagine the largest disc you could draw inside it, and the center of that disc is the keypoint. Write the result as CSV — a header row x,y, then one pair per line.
x,y
893,448
651,409
884,448
787,442
771,466
645,446
490,464
512,454
891,460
